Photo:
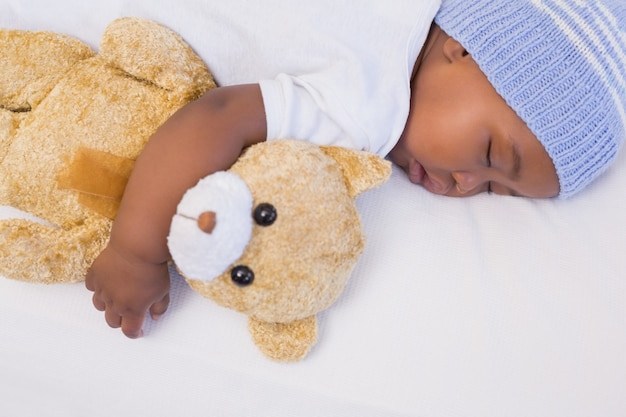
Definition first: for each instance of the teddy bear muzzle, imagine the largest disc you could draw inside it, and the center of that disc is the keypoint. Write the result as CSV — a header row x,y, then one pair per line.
x,y
212,226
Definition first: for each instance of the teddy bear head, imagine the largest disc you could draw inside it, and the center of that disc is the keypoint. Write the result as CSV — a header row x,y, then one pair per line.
x,y
276,236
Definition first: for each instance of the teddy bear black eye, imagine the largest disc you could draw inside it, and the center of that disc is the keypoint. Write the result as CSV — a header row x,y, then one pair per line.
x,y
242,276
265,214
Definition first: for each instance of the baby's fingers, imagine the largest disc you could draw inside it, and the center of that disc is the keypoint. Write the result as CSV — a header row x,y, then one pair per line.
x,y
131,325
98,303
112,318
89,278
160,307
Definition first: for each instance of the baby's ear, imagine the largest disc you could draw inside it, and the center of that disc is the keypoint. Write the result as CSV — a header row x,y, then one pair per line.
x,y
453,50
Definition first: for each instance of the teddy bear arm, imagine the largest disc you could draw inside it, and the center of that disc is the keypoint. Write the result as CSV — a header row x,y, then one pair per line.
x,y
41,253
149,51
285,342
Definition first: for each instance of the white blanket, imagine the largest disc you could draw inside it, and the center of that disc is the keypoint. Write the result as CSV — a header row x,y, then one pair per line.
x,y
487,307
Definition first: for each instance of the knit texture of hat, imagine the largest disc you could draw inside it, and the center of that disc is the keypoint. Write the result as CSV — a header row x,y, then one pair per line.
x,y
561,65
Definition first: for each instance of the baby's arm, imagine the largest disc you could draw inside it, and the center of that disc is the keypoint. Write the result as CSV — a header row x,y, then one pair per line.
x,y
130,277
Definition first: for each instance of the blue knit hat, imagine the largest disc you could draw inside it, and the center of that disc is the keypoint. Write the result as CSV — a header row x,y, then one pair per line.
x,y
561,65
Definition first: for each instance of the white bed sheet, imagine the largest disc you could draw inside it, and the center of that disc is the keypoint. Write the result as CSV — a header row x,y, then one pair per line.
x,y
489,306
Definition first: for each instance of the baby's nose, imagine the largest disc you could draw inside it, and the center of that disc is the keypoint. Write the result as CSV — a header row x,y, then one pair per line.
x,y
465,181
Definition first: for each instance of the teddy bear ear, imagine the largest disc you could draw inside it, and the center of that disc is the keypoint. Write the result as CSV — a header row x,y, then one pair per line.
x,y
362,170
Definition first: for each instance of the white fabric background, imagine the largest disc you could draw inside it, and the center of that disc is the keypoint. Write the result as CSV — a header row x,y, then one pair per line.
x,y
486,307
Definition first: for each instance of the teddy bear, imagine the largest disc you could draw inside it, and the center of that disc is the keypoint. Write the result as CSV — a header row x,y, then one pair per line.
x,y
72,122
276,236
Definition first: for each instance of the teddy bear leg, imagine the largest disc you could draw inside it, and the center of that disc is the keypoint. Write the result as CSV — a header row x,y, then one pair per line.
x,y
40,253
23,85
285,342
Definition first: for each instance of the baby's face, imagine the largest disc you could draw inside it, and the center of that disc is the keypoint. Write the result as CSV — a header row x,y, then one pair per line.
x,y
461,138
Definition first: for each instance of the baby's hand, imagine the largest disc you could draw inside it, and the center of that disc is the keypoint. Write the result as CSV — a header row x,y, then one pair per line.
x,y
126,288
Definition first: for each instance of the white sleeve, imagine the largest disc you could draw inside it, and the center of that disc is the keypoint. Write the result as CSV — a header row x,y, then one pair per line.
x,y
294,109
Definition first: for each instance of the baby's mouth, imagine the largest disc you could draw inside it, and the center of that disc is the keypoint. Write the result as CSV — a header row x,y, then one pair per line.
x,y
418,175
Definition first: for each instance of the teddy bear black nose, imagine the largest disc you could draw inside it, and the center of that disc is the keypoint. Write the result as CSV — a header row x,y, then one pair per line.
x,y
241,275
265,214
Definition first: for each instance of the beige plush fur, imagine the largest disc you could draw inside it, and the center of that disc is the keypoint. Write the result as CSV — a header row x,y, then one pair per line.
x,y
73,121
303,260
67,113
